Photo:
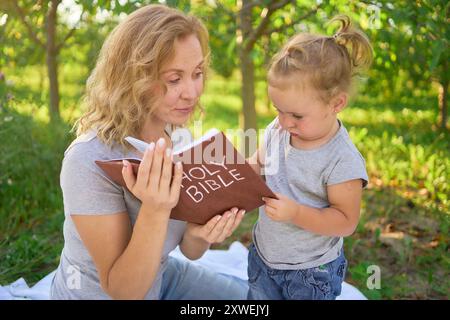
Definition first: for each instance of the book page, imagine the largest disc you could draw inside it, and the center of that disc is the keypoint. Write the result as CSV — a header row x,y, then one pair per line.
x,y
142,145
208,135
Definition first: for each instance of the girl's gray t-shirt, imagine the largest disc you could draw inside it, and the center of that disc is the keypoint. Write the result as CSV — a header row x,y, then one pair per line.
x,y
87,190
303,175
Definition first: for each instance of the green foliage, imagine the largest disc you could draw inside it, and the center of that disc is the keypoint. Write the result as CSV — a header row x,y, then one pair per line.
x,y
412,160
410,47
31,210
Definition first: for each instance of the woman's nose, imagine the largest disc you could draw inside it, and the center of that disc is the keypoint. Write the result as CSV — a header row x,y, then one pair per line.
x,y
189,90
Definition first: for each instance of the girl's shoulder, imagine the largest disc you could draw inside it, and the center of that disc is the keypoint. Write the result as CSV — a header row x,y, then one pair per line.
x,y
274,125
273,131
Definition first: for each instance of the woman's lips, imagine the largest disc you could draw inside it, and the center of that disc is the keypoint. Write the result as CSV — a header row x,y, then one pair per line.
x,y
184,110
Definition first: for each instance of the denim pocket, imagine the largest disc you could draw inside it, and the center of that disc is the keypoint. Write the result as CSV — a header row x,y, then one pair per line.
x,y
340,269
319,283
309,284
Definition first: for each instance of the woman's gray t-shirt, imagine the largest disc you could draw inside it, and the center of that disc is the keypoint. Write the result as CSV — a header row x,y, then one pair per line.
x,y
87,190
303,175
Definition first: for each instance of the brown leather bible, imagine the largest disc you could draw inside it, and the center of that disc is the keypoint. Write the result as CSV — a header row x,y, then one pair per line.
x,y
215,179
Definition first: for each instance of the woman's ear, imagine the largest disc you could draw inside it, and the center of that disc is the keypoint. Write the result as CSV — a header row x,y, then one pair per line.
x,y
339,102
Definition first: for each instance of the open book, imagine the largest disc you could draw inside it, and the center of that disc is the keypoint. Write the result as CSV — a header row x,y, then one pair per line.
x,y
215,178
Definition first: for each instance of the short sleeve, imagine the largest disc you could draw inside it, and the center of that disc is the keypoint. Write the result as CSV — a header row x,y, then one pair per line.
x,y
348,169
86,190
269,132
271,144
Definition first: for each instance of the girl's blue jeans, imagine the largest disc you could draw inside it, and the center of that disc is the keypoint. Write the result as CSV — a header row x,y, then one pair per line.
x,y
319,283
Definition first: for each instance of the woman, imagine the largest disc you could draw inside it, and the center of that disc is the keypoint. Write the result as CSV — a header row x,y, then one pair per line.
x,y
148,79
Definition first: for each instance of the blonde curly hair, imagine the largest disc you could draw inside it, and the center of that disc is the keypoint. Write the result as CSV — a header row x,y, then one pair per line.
x,y
117,91
327,64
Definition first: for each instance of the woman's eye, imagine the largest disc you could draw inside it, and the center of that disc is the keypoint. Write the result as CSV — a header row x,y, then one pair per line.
x,y
174,81
297,117
198,74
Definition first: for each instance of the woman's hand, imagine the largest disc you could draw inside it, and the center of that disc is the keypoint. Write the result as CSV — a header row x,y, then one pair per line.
x,y
218,228
153,185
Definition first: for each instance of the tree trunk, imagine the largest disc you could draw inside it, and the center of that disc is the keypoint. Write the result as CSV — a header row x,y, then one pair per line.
x,y
42,78
248,75
248,97
248,90
52,63
443,95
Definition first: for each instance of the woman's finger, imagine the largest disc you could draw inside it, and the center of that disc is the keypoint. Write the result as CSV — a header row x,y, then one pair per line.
x,y
128,175
237,221
176,182
218,228
155,172
144,167
209,226
166,174
227,230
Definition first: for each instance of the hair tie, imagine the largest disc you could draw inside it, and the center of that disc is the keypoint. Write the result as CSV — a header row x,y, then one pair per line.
x,y
336,35
288,53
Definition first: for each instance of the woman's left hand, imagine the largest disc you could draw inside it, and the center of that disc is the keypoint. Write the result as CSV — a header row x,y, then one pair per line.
x,y
218,228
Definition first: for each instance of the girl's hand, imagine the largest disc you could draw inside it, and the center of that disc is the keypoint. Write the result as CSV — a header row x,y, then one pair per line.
x,y
153,185
218,228
281,209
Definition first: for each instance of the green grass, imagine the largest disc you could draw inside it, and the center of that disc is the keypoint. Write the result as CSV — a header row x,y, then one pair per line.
x,y
404,224
31,202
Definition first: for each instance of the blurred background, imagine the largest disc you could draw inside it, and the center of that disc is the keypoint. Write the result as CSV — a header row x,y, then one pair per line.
x,y
398,120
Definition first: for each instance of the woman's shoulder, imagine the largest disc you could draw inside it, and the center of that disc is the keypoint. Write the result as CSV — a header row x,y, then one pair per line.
x,y
86,149
84,146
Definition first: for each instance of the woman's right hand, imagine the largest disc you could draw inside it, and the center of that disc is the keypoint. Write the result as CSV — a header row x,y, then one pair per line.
x,y
153,185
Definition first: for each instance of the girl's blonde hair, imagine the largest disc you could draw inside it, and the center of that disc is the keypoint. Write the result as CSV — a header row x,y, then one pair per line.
x,y
118,94
326,64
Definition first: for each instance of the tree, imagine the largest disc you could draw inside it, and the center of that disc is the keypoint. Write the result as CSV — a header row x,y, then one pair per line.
x,y
413,44
35,17
50,35
240,29
430,37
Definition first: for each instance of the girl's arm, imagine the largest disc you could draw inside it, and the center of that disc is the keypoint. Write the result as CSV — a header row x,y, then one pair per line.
x,y
340,219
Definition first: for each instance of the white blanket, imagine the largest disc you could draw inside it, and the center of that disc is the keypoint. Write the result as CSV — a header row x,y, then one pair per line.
x,y
232,261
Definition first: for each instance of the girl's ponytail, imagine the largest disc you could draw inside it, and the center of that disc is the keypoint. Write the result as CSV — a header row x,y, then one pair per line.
x,y
355,42
327,64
